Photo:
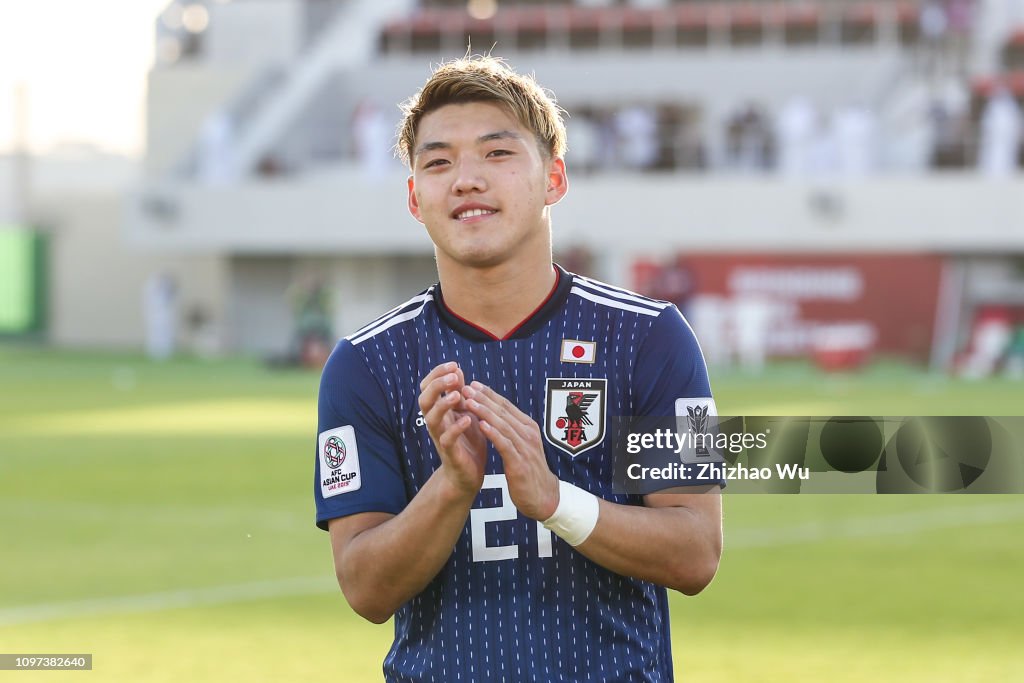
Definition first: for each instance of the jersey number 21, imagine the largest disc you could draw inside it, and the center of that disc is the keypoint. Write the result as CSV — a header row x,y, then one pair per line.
x,y
479,517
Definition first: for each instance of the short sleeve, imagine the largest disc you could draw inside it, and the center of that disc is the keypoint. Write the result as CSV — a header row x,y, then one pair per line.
x,y
670,372
670,379
358,468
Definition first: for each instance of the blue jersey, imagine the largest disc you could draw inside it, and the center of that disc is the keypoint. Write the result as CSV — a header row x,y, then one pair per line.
x,y
513,602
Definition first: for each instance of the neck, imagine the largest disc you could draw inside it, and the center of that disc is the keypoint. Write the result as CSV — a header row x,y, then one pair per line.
x,y
497,298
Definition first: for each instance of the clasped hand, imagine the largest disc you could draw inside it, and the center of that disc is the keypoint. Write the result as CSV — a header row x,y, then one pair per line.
x,y
461,418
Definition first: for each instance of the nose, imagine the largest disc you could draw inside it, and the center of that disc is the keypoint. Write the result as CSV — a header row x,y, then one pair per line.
x,y
468,179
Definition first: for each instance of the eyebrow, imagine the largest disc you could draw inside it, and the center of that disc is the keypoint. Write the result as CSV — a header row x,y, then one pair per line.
x,y
487,137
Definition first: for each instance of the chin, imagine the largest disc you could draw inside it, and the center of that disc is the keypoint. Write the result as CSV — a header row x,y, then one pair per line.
x,y
479,256
481,259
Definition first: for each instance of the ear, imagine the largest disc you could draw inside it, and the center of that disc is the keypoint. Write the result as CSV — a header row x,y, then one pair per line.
x,y
414,202
558,181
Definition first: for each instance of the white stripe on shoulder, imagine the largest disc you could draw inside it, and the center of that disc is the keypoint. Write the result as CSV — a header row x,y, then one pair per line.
x,y
369,330
419,298
620,293
391,322
590,296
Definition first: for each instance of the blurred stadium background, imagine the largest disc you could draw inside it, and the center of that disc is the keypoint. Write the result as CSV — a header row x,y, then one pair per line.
x,y
830,189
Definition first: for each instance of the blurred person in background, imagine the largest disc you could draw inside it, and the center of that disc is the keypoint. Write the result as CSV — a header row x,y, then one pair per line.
x,y
1014,365
951,120
485,399
960,17
371,139
932,23
311,308
637,130
910,135
607,138
753,318
855,131
1000,135
676,283
583,139
991,336
824,149
216,141
160,308
748,139
712,319
797,126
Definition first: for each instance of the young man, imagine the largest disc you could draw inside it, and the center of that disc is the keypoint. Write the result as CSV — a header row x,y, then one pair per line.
x,y
464,465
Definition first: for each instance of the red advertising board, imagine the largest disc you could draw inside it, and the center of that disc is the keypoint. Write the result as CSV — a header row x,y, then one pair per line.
x,y
890,297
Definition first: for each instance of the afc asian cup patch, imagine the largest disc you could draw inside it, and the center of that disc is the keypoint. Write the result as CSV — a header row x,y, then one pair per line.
x,y
339,461
574,413
687,407
697,411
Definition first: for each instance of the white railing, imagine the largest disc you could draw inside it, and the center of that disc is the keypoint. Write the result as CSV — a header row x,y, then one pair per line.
x,y
349,40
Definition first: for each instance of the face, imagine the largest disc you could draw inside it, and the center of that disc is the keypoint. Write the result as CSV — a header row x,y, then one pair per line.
x,y
481,186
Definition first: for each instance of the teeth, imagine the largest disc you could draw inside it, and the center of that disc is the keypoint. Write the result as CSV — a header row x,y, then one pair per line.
x,y
475,212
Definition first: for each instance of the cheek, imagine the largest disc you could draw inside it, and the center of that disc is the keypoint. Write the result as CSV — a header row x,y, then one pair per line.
x,y
426,197
529,183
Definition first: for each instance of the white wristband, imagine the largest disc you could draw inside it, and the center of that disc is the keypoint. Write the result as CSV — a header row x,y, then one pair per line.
x,y
576,514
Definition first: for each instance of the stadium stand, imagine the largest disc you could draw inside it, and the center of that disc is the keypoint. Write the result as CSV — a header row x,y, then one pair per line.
x,y
844,124
529,25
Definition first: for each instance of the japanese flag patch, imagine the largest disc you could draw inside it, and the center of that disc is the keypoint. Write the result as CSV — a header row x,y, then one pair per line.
x,y
575,351
339,461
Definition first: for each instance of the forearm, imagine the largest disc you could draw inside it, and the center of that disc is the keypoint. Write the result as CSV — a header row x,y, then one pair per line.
x,y
675,540
678,547
384,566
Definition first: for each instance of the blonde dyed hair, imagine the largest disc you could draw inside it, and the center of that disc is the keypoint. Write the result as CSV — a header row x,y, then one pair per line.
x,y
484,79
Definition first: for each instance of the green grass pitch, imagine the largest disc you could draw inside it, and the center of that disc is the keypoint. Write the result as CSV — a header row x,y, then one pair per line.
x,y
159,516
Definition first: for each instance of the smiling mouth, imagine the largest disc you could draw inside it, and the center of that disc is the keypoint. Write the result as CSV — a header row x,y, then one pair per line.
x,y
474,213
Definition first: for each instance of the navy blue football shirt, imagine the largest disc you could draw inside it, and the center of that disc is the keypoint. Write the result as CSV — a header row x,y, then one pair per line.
x,y
513,602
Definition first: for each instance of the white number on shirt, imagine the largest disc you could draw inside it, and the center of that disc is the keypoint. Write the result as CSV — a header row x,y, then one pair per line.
x,y
479,517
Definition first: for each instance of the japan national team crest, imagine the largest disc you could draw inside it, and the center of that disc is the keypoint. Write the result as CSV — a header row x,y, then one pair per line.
x,y
574,414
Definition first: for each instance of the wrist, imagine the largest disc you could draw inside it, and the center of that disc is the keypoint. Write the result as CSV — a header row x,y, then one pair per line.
x,y
454,490
576,515
549,505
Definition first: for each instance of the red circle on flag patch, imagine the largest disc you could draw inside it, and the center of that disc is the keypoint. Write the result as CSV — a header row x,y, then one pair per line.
x,y
577,351
560,423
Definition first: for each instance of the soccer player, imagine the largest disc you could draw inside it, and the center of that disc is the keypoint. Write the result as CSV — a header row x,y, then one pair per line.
x,y
464,462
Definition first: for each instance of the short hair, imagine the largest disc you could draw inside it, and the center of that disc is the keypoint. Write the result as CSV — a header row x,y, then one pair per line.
x,y
488,79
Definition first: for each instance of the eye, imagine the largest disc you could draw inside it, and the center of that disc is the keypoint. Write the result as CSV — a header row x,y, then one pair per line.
x,y
434,163
499,153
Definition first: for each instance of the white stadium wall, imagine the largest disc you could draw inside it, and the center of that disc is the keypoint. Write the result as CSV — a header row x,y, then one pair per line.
x,y
178,104
96,280
260,318
358,232
347,213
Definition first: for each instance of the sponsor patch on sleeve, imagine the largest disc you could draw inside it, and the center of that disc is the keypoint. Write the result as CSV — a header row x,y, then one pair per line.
x,y
339,462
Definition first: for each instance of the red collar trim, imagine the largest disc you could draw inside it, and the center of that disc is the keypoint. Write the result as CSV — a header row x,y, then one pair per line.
x,y
489,335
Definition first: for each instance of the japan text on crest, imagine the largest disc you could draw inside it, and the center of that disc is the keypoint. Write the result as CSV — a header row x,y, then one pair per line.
x,y
574,413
